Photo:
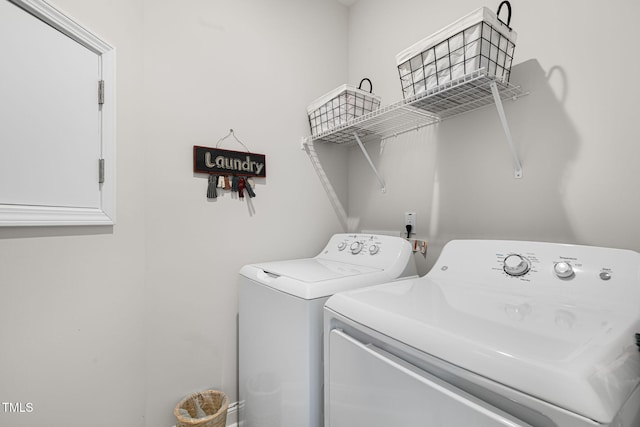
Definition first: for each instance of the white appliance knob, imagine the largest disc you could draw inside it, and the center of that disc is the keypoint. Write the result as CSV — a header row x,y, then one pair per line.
x,y
516,265
342,246
356,247
373,249
563,269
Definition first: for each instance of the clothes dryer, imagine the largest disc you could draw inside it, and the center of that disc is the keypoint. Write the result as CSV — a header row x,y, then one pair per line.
x,y
280,323
497,334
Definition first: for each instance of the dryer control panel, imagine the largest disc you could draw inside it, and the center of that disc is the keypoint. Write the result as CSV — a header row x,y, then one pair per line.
x,y
538,268
564,267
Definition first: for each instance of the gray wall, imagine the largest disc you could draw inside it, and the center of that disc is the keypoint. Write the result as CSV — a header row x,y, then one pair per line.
x,y
108,326
72,302
210,66
113,325
576,133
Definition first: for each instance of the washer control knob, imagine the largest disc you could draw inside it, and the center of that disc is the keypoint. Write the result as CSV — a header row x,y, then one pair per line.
x,y
342,246
355,247
373,249
563,270
516,265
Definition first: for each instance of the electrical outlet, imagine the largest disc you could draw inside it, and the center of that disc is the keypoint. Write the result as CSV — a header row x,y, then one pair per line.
x,y
410,219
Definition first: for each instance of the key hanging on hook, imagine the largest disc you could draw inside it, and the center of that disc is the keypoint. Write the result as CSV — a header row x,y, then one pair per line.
x,y
241,187
248,185
211,187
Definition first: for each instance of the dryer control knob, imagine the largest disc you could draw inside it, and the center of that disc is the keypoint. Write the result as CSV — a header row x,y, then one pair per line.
x,y
563,269
373,249
342,246
355,247
516,265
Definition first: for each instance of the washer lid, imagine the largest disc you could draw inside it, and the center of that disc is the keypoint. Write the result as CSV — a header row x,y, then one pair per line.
x,y
314,269
311,278
582,359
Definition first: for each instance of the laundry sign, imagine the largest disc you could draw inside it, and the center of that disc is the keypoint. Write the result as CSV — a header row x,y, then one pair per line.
x,y
227,162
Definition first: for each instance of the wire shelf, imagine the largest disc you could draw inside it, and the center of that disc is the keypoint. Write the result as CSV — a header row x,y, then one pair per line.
x,y
468,93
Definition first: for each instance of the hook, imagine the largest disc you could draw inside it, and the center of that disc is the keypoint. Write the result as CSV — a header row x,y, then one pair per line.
x,y
231,133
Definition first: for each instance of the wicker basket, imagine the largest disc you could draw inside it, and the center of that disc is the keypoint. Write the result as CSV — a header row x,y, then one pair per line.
x,y
212,402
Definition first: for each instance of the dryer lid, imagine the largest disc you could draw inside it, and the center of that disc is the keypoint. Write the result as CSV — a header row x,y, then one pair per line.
x,y
582,359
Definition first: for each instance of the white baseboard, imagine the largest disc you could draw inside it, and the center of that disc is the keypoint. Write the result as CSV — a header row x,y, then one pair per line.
x,y
232,415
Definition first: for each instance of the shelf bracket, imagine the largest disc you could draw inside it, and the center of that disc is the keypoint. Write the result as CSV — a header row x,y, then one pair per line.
x,y
503,118
366,155
309,147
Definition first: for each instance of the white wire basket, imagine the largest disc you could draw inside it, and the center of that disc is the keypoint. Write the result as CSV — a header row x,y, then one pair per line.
x,y
341,105
479,40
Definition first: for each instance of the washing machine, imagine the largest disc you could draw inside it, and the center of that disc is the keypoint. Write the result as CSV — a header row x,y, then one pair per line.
x,y
281,323
497,334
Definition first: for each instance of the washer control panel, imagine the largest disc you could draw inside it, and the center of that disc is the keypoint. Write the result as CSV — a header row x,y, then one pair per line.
x,y
356,244
374,250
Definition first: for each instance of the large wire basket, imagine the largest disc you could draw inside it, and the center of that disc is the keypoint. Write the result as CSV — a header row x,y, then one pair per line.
x,y
479,40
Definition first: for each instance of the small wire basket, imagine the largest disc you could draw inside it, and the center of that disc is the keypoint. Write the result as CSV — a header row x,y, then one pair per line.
x,y
479,40
341,105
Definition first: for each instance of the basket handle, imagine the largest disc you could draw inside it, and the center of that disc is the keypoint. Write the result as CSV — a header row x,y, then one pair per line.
x,y
370,84
508,11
